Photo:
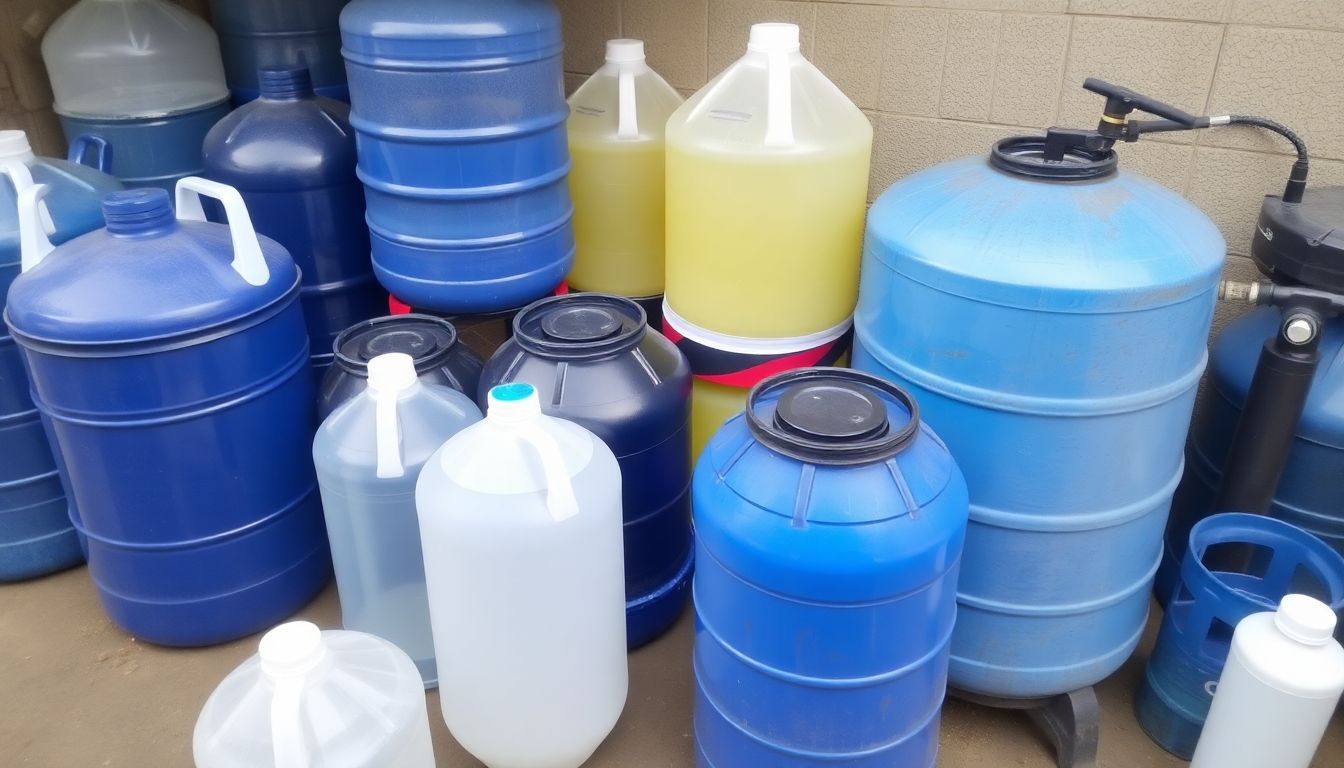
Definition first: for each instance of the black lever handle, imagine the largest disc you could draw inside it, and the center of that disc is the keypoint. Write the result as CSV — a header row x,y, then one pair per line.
x,y
1120,101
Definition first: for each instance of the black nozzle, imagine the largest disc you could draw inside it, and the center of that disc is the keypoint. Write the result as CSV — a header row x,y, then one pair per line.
x,y
1120,101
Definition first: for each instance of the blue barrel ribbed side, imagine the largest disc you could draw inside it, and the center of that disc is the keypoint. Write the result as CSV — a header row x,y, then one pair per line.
x,y
1054,335
264,33
1317,451
152,151
460,119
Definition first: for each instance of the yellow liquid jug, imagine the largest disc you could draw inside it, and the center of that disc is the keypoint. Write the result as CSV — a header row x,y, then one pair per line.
x,y
767,183
616,146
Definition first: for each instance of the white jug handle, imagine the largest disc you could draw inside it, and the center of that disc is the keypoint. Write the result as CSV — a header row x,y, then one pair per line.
x,y
34,245
22,178
560,499
287,745
248,261
387,434
627,115
779,103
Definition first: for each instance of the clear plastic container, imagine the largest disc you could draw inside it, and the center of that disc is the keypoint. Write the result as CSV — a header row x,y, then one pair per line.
x,y
767,182
616,127
132,58
311,698
368,455
1278,691
522,513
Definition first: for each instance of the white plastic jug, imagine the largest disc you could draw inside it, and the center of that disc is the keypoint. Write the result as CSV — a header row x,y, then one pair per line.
x,y
767,182
1283,679
310,698
368,454
520,517
616,126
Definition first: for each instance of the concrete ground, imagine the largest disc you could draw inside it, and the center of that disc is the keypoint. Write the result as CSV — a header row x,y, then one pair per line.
x,y
77,692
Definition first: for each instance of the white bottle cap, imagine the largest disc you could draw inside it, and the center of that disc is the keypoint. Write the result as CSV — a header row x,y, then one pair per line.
x,y
773,37
625,50
392,372
14,146
291,649
514,403
1305,619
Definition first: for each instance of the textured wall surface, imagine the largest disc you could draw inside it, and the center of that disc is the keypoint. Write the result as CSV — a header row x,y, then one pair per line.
x,y
944,78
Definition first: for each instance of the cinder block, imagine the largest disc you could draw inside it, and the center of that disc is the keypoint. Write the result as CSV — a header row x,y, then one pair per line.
x,y
572,82
587,26
675,37
1294,76
1168,164
1030,69
1029,6
1189,10
730,24
848,48
969,65
903,145
912,61
1312,14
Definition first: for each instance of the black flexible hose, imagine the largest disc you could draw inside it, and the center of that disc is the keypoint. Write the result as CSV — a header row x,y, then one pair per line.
x,y
1297,179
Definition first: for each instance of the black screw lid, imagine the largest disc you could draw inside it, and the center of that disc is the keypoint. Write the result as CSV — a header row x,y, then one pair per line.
x,y
833,416
579,326
1025,156
428,340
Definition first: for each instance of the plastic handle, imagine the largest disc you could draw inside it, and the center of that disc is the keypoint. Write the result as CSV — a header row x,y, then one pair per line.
x,y
779,104
247,259
387,430
627,114
287,744
34,245
22,179
560,499
1122,100
102,158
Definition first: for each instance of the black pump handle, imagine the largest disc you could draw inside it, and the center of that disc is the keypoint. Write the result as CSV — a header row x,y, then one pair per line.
x,y
1120,101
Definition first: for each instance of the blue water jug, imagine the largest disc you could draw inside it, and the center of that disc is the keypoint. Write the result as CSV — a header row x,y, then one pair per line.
x,y
265,33
594,361
460,114
1302,498
169,360
829,523
36,536
291,155
1051,319
1178,684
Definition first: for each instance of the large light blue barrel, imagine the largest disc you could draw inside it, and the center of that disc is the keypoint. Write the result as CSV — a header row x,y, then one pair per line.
x,y
459,114
1050,319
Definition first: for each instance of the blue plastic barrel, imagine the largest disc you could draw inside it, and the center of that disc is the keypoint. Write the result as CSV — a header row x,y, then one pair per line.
x,y
460,114
169,360
152,151
1192,646
291,155
593,360
269,33
36,536
1051,320
1302,498
829,523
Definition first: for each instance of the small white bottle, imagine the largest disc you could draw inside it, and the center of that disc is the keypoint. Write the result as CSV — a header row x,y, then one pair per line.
x,y
310,698
1283,679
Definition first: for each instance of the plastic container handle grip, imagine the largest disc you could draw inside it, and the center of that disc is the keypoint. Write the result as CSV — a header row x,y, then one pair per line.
x,y
387,435
560,499
34,245
287,744
79,152
247,259
779,101
22,178
627,114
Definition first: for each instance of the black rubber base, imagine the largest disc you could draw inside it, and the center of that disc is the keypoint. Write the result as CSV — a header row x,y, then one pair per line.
x,y
1071,721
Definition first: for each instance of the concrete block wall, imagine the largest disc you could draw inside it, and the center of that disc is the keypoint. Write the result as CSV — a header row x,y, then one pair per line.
x,y
945,78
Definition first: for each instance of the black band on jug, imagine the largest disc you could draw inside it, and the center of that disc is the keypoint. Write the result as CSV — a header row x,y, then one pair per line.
x,y
1025,156
579,326
428,340
744,369
831,416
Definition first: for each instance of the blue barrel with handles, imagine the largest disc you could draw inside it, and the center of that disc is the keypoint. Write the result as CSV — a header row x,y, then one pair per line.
x,y
169,359
36,536
291,155
152,151
594,361
1051,319
829,524
1179,682
267,33
1302,497
460,114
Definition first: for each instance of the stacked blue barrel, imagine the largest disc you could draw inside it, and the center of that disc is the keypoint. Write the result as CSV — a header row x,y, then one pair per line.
x,y
460,116
268,33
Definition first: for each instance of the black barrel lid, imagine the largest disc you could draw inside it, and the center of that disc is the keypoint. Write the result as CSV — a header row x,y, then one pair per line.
x,y
428,340
832,416
1303,242
579,326
1025,156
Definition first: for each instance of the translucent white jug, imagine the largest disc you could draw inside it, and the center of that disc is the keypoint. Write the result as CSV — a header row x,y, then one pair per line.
x,y
616,127
520,516
132,58
310,698
368,454
1283,679
767,182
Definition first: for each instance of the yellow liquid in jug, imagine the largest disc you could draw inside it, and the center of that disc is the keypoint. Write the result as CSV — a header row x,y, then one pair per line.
x,y
765,246
617,188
